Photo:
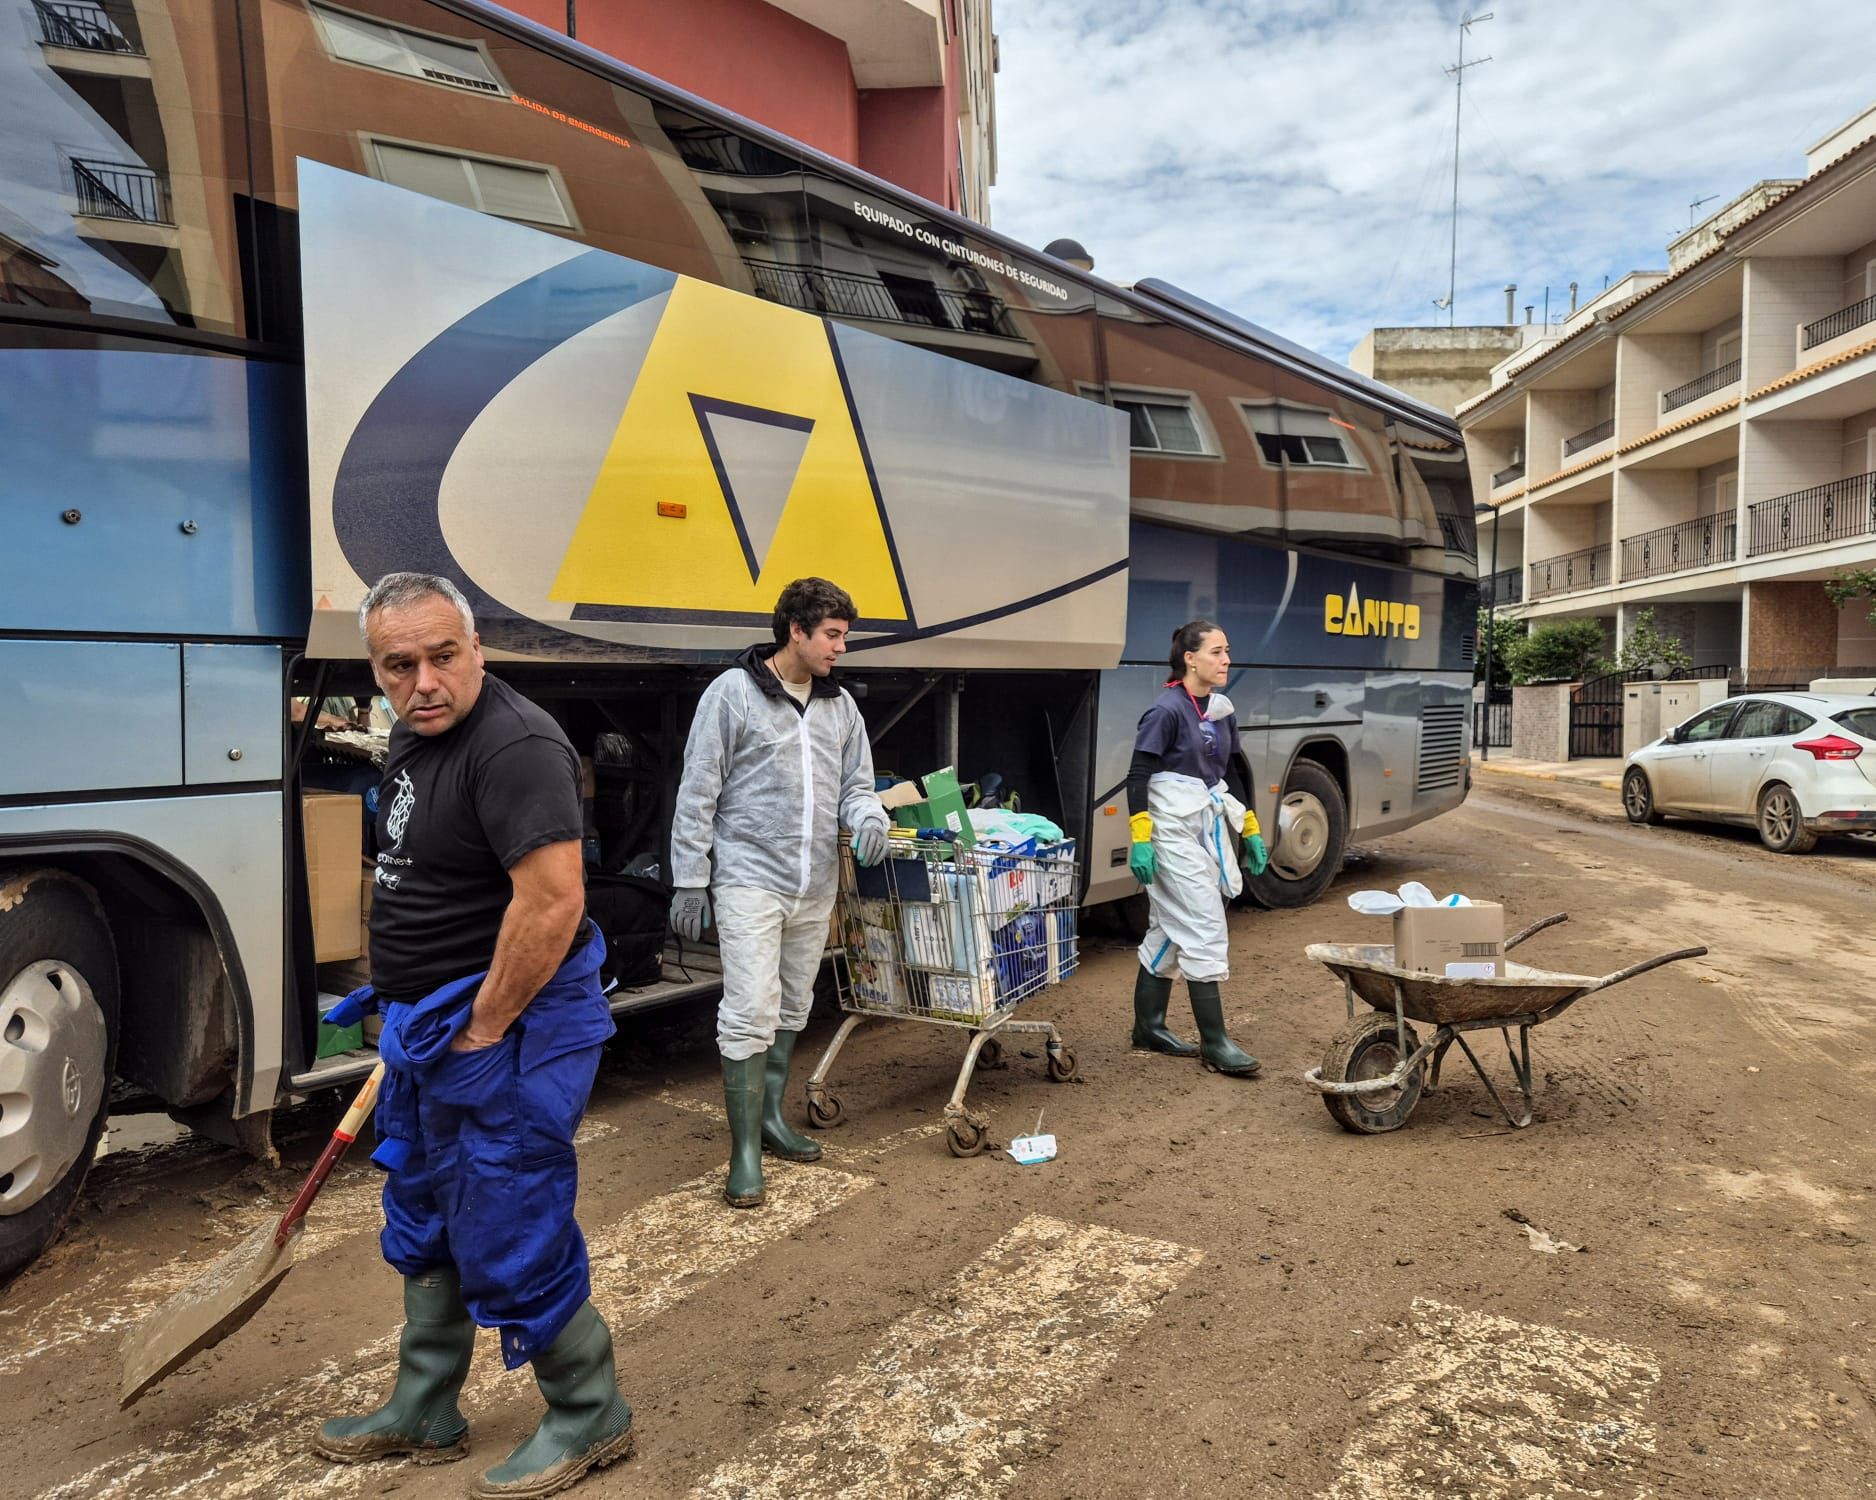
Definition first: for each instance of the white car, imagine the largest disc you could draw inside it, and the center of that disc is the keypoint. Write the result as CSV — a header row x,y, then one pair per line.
x,y
1794,765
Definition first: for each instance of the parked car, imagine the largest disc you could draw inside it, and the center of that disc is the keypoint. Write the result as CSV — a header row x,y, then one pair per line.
x,y
1793,765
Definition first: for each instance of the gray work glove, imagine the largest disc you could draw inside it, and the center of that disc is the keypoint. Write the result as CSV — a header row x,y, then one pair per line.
x,y
869,844
690,913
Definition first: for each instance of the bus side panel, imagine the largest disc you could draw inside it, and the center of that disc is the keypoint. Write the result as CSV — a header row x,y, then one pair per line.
x,y
225,848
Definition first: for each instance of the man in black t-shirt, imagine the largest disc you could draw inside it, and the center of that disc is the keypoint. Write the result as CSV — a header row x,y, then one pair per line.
x,y
494,1023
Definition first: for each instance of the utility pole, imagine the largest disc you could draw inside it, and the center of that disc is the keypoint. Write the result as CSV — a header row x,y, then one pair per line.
x,y
1458,74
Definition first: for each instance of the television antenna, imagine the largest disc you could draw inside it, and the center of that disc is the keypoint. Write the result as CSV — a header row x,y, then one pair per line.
x,y
1458,75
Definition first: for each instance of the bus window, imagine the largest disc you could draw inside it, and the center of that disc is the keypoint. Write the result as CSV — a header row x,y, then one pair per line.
x,y
1436,496
1337,468
128,211
1195,463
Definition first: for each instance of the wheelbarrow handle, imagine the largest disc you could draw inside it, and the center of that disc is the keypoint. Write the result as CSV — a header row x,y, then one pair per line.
x,y
1646,964
1535,928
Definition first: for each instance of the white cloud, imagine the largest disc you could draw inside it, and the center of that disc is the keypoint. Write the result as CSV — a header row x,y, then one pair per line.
x,y
1293,160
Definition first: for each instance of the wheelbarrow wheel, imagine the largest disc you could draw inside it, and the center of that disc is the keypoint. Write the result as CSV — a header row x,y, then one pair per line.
x,y
1370,1048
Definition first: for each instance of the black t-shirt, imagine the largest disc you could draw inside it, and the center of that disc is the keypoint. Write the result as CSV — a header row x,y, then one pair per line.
x,y
455,811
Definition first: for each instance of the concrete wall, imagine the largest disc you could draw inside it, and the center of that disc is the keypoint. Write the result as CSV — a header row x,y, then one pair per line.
x,y
1440,366
1777,458
1540,722
1856,635
1707,629
1552,530
1647,365
1556,415
1790,624
1650,498
1781,294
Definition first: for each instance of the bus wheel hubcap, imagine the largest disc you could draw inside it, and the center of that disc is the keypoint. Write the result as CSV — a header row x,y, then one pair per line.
x,y
1302,836
52,1046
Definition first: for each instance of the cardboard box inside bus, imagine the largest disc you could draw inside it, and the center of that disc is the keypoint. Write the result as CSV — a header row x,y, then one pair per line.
x,y
1460,942
333,836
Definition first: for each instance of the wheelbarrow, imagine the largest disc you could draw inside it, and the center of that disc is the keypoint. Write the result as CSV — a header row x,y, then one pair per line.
x,y
1377,1067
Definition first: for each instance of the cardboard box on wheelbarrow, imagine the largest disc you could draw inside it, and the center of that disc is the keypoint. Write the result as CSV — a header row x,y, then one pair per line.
x,y
1460,942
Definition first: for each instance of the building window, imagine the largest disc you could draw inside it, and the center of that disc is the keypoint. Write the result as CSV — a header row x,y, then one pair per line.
x,y
1163,424
1299,437
509,190
373,44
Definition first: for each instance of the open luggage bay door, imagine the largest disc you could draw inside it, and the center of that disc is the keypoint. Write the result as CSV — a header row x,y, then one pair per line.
x,y
616,463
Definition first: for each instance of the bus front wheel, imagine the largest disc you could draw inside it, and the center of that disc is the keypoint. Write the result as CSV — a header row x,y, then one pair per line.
x,y
1309,840
58,1028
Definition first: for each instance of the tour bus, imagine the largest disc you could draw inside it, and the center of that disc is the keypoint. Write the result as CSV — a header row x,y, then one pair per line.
x,y
297,292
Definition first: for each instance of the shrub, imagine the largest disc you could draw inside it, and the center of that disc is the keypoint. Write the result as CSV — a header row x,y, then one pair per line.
x,y
1559,651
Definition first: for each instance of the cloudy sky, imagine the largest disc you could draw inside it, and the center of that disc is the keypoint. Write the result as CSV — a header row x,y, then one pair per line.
x,y
1292,159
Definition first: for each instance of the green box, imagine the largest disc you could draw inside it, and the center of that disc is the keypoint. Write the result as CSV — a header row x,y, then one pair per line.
x,y
943,807
336,1039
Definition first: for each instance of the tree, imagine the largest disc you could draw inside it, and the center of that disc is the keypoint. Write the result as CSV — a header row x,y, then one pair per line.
x,y
1646,646
1559,651
1504,635
1854,583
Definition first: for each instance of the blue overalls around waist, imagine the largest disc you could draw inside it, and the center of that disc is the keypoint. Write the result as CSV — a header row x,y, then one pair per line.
x,y
478,1145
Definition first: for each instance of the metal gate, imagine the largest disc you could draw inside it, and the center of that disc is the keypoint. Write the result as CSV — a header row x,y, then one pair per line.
x,y
1596,716
1491,719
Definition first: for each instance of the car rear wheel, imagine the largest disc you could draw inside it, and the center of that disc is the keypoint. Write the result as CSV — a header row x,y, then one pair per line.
x,y
1781,821
1638,797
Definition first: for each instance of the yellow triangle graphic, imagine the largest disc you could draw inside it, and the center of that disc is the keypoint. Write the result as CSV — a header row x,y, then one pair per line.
x,y
728,348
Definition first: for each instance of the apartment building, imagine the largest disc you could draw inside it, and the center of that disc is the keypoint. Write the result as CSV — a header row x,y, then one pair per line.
x,y
1701,441
905,89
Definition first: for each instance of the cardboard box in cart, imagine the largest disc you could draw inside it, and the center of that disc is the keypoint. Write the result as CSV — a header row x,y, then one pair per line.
x,y
1460,942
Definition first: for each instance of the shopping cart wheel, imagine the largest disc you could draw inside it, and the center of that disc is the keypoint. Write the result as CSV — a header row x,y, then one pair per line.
x,y
990,1055
1061,1065
966,1136
825,1111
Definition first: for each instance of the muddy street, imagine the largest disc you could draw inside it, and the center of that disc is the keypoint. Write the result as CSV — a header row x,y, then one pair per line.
x,y
1663,1287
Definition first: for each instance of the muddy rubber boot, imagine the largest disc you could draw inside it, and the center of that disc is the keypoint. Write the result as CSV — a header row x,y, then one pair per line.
x,y
1151,995
421,1420
743,1089
777,1135
587,1425
1216,1050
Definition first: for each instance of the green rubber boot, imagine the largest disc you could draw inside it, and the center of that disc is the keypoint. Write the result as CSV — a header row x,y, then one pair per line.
x,y
587,1425
421,1420
777,1135
744,1088
1151,994
1216,1050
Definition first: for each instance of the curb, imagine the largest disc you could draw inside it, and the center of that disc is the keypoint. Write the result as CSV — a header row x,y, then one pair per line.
x,y
1607,783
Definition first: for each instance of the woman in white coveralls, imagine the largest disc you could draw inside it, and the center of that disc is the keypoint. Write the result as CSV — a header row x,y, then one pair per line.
x,y
1184,821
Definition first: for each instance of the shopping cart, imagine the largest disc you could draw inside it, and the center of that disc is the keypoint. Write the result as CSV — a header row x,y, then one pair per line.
x,y
954,936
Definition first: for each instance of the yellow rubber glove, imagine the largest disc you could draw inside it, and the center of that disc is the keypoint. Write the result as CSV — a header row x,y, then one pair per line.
x,y
1140,858
1256,856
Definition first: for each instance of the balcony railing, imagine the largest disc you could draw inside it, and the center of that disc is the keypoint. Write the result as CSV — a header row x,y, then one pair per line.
x,y
1835,512
842,294
1698,543
108,190
1587,569
88,26
1714,380
1457,534
1502,588
1506,476
1600,433
1840,322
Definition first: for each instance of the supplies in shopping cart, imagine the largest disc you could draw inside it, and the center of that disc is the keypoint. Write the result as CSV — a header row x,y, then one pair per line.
x,y
977,929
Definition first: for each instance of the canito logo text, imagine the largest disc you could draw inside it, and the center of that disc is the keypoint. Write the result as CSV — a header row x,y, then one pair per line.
x,y
1355,615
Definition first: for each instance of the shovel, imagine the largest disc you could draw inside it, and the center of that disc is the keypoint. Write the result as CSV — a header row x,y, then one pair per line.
x,y
232,1290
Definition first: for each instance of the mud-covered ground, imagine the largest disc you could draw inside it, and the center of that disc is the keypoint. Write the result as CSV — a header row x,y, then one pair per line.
x,y
1662,1287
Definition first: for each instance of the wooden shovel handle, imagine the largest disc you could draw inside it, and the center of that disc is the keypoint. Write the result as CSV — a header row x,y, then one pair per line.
x,y
342,1137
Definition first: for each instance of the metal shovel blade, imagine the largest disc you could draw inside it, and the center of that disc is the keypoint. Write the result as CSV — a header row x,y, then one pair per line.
x,y
207,1310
